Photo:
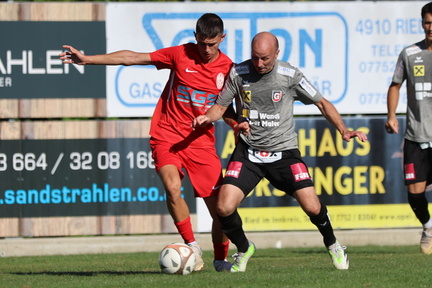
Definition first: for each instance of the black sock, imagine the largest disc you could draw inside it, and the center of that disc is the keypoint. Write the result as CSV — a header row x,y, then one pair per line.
x,y
232,227
322,221
419,205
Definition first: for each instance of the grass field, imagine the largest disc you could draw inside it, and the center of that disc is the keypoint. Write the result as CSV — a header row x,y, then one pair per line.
x,y
306,267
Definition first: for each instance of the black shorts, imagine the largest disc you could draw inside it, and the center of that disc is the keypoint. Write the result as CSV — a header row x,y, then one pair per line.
x,y
285,170
417,163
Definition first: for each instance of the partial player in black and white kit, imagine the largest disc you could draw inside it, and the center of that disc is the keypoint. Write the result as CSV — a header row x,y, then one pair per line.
x,y
264,90
414,65
271,146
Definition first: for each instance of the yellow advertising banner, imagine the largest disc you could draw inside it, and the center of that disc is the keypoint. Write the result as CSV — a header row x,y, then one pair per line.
x,y
342,217
361,183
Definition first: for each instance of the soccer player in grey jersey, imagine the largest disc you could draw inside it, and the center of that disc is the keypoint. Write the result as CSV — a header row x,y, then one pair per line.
x,y
414,65
264,90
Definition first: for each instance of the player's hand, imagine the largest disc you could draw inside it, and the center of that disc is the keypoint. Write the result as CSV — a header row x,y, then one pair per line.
x,y
347,135
392,126
73,56
243,128
200,121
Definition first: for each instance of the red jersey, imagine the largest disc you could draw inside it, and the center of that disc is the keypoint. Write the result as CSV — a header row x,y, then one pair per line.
x,y
191,90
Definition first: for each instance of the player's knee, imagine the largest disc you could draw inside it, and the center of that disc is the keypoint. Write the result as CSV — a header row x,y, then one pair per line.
x,y
174,196
224,209
312,211
319,216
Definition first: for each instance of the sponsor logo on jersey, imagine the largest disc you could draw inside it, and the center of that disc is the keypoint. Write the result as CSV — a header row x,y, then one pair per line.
x,y
268,120
423,90
200,100
233,169
242,69
190,71
419,70
245,113
276,95
308,87
245,83
286,71
410,172
253,114
413,50
247,96
418,59
258,156
300,172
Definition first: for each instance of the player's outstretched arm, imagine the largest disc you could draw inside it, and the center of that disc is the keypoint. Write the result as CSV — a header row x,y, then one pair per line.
x,y
123,57
332,115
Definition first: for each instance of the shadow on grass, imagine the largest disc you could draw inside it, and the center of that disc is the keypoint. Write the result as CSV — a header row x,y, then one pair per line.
x,y
87,274
359,250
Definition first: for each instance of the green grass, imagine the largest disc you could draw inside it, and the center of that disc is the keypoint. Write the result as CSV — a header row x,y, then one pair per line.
x,y
306,267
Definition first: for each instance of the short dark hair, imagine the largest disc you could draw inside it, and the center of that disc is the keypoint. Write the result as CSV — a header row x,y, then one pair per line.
x,y
209,26
426,9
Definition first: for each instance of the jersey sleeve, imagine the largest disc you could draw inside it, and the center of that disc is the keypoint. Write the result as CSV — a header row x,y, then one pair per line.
x,y
165,58
305,91
399,72
229,91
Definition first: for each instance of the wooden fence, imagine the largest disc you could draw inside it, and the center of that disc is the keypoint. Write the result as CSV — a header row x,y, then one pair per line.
x,y
13,127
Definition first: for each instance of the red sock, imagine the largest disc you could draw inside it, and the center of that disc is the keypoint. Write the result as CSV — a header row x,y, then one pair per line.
x,y
221,250
185,229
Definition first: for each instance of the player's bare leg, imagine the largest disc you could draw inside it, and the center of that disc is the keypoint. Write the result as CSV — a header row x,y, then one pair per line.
x,y
179,210
220,240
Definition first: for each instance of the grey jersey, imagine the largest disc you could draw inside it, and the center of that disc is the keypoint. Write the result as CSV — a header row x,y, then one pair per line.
x,y
268,102
415,65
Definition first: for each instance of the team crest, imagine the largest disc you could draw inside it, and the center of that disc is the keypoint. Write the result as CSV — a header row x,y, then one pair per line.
x,y
220,80
276,95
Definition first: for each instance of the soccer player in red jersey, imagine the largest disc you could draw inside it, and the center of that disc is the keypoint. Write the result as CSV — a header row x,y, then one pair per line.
x,y
198,72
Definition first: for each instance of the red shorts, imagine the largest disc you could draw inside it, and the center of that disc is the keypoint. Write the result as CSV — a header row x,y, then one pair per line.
x,y
203,166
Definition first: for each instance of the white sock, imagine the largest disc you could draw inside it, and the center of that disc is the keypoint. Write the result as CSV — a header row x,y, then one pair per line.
x,y
428,224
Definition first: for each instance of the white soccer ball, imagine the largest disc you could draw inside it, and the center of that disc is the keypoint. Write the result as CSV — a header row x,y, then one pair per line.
x,y
177,258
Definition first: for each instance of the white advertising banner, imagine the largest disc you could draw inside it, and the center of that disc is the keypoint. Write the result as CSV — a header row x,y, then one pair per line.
x,y
347,49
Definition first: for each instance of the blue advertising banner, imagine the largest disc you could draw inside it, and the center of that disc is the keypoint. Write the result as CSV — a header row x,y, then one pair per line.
x,y
80,177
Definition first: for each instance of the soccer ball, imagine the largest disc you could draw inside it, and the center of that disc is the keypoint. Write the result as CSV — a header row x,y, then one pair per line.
x,y
177,258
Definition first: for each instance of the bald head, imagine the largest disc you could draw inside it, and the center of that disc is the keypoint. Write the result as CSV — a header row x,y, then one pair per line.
x,y
265,40
265,49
